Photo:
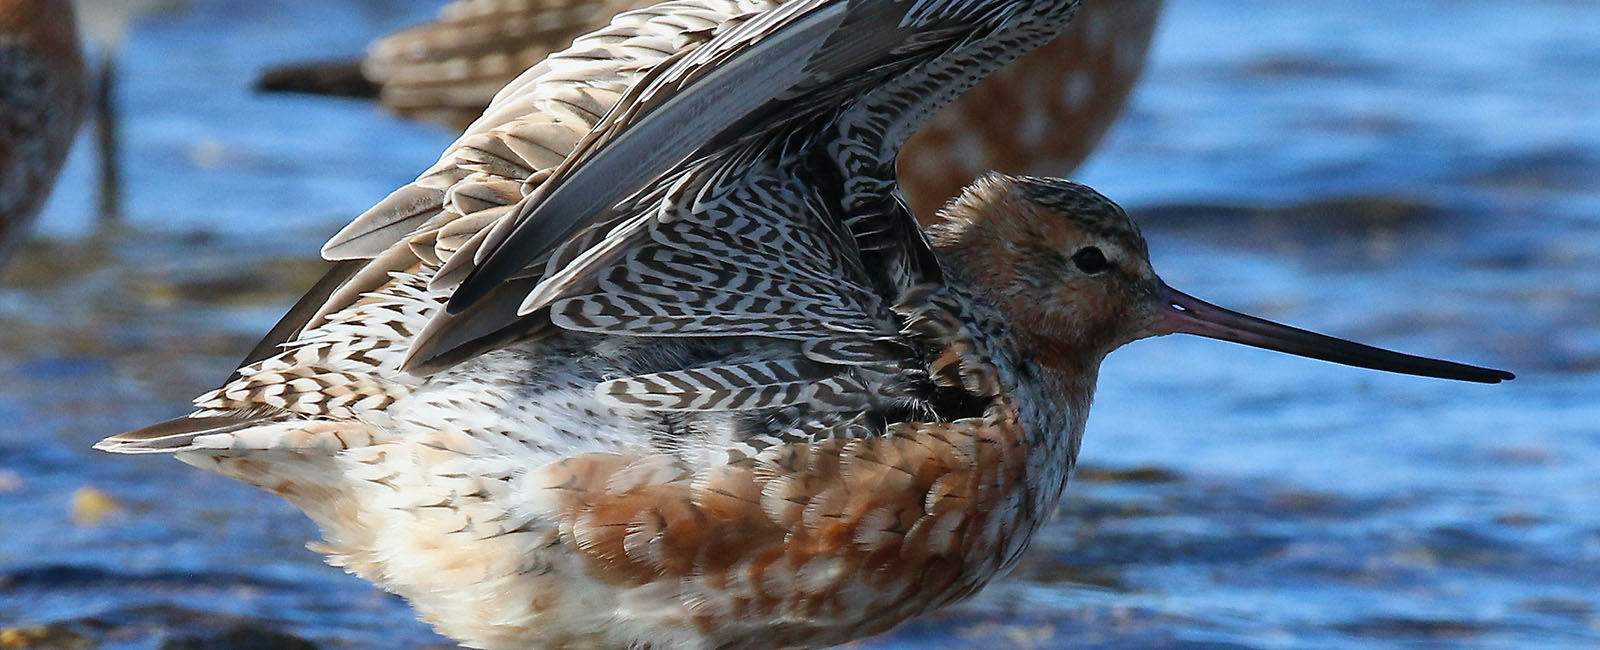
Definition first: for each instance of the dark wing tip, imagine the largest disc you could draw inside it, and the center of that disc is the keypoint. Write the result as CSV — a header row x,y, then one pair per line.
x,y
485,324
173,435
468,293
530,240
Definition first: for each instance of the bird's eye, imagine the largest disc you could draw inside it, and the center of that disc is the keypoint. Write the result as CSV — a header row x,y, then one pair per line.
x,y
1090,260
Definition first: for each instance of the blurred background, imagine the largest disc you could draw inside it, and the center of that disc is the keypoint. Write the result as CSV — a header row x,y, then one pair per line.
x,y
1421,175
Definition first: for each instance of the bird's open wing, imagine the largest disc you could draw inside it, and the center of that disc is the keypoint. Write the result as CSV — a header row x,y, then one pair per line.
x,y
801,61
534,124
749,238
782,77
536,120
681,174
738,246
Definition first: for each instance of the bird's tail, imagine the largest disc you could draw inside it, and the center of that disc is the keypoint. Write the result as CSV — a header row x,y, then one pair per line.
x,y
174,435
240,435
341,78
293,458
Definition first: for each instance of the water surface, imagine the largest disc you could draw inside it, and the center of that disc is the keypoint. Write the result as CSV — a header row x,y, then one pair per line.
x,y
1420,175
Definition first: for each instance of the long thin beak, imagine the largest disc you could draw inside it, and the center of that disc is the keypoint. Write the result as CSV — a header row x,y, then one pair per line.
x,y
1183,313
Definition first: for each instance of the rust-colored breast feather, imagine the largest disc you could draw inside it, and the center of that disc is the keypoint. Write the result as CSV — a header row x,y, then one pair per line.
x,y
868,530
850,536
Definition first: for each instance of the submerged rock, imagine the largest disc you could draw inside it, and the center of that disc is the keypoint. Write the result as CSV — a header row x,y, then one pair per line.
x,y
52,635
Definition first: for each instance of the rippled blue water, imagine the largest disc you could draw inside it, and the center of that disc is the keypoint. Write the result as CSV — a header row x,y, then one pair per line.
x,y
1422,175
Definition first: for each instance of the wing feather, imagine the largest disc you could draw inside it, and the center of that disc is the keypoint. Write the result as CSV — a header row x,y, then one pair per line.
x,y
681,214
677,174
762,69
739,387
538,119
533,124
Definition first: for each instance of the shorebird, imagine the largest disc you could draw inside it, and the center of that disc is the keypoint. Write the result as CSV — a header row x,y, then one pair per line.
x,y
1057,101
41,97
654,357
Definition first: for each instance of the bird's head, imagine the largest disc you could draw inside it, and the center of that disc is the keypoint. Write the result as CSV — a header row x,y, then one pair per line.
x,y
1072,274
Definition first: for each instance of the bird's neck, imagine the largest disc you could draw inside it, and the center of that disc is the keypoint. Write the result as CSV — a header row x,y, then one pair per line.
x,y
1050,380
981,265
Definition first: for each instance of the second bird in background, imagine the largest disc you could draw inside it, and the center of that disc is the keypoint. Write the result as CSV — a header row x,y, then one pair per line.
x,y
41,99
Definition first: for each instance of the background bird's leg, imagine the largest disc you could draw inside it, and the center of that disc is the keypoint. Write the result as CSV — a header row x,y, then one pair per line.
x,y
107,149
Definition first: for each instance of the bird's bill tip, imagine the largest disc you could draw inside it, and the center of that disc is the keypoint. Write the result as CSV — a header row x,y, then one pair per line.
x,y
1185,314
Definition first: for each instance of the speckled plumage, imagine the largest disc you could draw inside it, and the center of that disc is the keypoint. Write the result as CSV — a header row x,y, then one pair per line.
x,y
41,97
515,506
655,358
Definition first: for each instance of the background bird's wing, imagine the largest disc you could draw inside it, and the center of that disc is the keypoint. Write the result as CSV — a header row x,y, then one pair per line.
x,y
449,69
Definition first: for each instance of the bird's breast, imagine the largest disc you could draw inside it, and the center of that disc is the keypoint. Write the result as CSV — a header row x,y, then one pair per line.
x,y
849,535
